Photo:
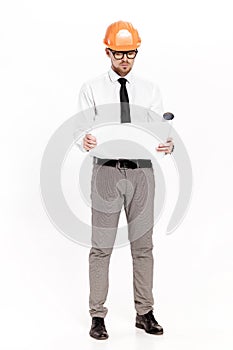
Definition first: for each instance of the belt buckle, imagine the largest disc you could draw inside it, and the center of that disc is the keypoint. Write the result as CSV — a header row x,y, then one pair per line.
x,y
126,163
122,161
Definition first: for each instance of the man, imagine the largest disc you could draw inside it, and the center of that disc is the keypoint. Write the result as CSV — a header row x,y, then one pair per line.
x,y
118,85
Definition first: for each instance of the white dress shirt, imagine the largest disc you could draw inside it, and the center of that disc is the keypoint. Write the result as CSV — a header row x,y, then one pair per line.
x,y
99,102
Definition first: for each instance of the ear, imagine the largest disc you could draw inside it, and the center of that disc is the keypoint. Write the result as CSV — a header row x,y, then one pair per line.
x,y
107,52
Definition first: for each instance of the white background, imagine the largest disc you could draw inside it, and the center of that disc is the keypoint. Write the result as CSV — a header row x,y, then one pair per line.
x,y
48,49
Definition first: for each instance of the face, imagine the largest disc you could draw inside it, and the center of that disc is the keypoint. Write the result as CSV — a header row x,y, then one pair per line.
x,y
123,66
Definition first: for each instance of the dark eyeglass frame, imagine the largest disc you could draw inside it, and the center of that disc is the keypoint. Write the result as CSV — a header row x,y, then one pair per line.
x,y
123,53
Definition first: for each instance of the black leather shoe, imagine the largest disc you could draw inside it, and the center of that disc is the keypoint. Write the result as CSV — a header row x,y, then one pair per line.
x,y
98,330
148,323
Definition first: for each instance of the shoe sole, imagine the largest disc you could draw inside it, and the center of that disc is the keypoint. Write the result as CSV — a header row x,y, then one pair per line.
x,y
98,338
141,327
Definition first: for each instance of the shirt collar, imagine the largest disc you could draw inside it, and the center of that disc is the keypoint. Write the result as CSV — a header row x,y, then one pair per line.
x,y
114,76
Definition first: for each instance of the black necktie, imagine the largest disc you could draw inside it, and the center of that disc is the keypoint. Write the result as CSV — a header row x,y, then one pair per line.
x,y
125,112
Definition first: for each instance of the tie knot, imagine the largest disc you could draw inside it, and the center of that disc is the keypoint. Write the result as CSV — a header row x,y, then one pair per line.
x,y
122,81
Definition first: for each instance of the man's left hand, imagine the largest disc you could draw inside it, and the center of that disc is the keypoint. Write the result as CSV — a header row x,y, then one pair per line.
x,y
167,147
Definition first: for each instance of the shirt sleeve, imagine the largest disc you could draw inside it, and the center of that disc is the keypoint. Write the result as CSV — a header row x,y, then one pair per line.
x,y
85,117
157,103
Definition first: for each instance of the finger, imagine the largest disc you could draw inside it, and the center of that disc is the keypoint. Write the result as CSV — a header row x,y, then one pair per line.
x,y
91,141
88,148
85,145
90,137
167,144
163,149
89,145
163,145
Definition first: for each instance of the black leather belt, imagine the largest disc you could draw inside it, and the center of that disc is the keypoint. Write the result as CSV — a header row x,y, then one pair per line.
x,y
124,163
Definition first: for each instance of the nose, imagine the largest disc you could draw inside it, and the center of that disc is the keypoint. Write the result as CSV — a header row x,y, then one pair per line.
x,y
125,58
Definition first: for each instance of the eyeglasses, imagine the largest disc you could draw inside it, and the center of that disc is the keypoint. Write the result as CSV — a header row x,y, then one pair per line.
x,y
118,55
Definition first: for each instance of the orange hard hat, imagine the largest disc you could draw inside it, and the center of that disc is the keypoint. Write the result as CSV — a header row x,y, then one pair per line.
x,y
122,36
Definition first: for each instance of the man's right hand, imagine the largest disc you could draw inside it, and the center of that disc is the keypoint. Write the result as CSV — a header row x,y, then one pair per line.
x,y
89,142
